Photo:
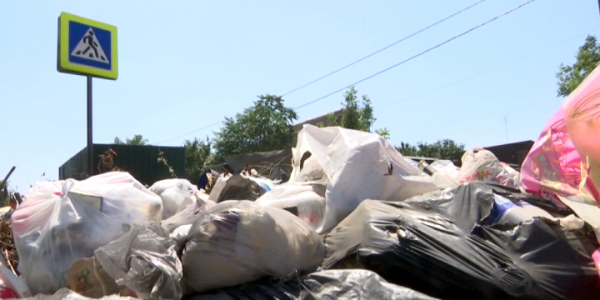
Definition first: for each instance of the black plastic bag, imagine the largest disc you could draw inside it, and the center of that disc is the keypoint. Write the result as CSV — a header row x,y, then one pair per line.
x,y
332,284
240,188
433,244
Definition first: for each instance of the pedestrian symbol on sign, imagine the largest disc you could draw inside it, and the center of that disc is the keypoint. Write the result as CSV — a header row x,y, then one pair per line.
x,y
89,48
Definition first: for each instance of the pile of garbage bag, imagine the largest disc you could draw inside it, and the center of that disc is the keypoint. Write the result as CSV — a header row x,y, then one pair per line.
x,y
355,220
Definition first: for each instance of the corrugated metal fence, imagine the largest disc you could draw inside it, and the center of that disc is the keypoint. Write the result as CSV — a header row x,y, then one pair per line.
x,y
140,161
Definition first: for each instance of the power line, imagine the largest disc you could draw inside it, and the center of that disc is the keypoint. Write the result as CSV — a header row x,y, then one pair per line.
x,y
417,55
384,48
546,49
205,127
380,72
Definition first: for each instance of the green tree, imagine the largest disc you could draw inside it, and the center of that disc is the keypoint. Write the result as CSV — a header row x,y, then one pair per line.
x,y
442,149
198,158
137,140
384,132
266,126
407,149
587,59
358,116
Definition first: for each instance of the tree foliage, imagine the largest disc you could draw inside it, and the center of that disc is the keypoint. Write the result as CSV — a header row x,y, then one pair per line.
x,y
570,76
407,149
266,126
198,158
356,115
442,149
137,140
383,132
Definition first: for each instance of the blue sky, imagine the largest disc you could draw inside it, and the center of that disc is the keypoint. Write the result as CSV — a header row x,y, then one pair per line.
x,y
184,65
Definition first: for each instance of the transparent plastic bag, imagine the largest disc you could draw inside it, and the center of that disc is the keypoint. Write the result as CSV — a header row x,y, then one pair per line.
x,y
240,241
175,194
144,260
51,232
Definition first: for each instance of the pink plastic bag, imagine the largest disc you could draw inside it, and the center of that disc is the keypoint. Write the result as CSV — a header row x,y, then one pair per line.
x,y
553,165
582,114
596,257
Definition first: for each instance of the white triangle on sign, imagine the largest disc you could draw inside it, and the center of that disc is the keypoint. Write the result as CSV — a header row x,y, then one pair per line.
x,y
89,48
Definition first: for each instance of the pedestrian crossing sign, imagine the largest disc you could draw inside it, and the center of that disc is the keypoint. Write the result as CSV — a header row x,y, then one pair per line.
x,y
87,47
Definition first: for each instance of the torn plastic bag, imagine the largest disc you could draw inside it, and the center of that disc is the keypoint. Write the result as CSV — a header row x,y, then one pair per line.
x,y
306,201
175,194
240,241
51,232
425,243
483,165
357,166
333,284
144,260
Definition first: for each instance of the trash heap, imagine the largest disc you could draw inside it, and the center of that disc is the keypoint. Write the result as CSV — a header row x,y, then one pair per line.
x,y
355,220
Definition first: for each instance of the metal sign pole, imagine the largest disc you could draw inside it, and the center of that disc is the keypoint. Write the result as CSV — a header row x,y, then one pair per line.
x,y
90,145
89,48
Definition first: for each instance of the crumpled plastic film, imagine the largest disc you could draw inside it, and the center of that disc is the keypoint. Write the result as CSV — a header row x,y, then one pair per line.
x,y
434,243
355,165
331,284
145,260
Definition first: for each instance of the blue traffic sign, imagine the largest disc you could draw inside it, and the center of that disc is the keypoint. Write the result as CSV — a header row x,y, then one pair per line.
x,y
87,47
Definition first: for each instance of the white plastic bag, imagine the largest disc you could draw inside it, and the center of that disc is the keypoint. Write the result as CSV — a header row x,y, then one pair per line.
x,y
483,165
356,165
306,201
51,232
240,241
175,194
